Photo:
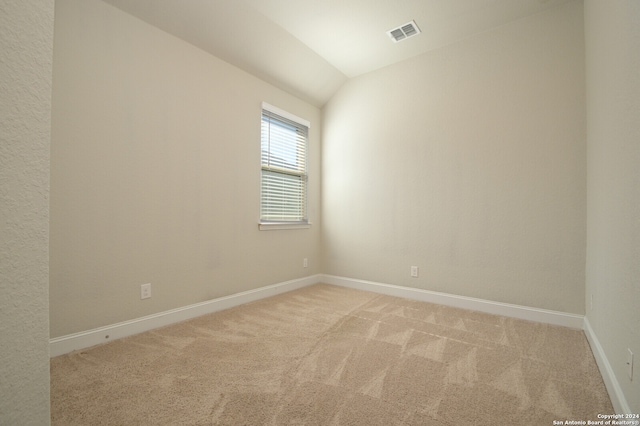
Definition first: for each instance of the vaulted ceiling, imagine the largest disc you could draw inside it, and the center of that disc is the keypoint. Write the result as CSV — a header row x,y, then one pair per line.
x,y
311,47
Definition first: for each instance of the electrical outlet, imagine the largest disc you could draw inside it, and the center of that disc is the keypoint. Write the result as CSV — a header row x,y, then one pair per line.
x,y
630,364
305,263
414,271
145,291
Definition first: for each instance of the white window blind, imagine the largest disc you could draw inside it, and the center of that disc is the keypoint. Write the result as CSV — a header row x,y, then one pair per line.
x,y
284,167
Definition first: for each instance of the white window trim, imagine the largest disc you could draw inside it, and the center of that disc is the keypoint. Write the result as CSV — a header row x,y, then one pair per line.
x,y
276,226
285,114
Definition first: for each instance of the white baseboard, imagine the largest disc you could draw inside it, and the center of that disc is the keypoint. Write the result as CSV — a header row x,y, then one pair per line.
x,y
620,404
65,344
488,306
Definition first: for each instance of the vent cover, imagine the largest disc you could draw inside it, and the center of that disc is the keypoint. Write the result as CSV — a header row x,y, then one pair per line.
x,y
403,32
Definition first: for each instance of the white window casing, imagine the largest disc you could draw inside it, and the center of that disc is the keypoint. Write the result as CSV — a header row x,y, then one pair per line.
x,y
284,179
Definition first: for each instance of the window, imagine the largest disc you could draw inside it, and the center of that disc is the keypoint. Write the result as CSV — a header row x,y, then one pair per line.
x,y
283,192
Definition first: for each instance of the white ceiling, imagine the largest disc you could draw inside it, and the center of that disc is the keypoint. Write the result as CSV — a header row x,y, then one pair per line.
x,y
311,47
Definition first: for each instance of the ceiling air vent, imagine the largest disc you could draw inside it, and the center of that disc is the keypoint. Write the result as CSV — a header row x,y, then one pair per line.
x,y
405,31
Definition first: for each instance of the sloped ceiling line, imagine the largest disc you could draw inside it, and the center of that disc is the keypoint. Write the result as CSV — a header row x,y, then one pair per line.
x,y
309,48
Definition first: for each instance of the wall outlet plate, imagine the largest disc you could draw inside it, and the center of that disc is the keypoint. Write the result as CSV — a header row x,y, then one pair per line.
x,y
414,271
145,291
629,364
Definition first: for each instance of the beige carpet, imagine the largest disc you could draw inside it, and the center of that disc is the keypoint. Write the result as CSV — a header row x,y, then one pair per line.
x,y
326,355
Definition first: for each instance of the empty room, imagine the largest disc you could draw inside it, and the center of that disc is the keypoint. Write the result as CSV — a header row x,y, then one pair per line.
x,y
320,212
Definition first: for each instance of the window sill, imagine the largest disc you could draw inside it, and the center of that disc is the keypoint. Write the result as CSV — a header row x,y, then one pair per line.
x,y
276,226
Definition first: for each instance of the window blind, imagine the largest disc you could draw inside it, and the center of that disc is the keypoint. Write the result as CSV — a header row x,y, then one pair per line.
x,y
284,167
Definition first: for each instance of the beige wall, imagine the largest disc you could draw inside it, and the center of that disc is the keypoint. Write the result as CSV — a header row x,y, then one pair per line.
x,y
26,50
612,34
469,162
156,174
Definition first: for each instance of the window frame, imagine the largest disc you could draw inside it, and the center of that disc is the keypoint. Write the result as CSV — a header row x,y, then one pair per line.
x,y
265,224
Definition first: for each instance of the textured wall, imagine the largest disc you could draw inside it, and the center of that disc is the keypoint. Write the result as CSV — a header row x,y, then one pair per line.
x,y
26,43
612,35
155,174
468,162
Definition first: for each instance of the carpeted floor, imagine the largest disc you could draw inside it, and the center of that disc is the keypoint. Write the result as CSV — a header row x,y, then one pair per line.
x,y
326,355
